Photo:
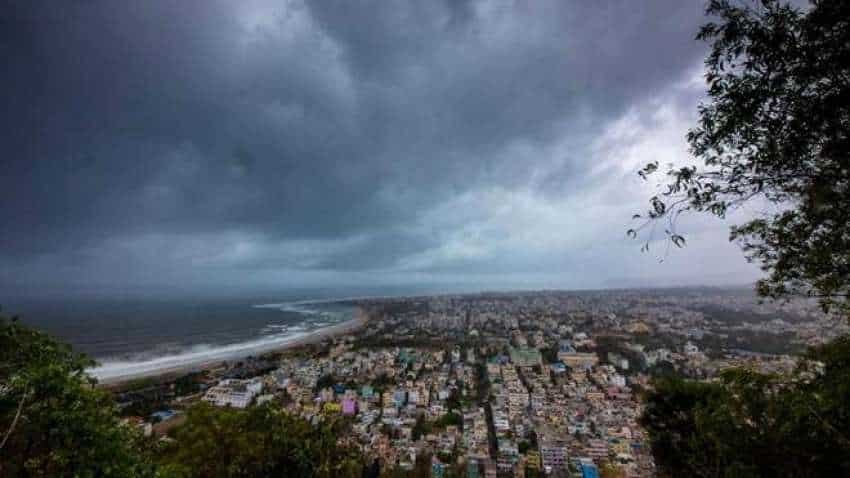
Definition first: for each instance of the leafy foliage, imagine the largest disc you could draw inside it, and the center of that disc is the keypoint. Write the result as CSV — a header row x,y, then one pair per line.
x,y
325,381
775,130
53,421
421,428
257,442
751,424
449,419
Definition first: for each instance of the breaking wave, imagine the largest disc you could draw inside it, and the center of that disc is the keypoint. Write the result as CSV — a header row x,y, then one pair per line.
x,y
169,357
195,356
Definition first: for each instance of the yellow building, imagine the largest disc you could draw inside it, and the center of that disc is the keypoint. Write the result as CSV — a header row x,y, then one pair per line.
x,y
532,460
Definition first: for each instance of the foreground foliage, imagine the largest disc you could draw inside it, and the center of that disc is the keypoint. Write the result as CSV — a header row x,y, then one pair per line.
x,y
751,424
257,442
53,422
776,130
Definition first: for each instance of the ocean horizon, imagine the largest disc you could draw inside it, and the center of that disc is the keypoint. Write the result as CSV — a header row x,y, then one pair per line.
x,y
133,336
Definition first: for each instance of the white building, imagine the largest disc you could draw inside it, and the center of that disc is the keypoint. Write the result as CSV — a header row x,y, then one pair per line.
x,y
234,393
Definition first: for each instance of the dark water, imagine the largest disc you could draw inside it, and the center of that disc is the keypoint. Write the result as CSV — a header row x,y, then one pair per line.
x,y
131,336
135,329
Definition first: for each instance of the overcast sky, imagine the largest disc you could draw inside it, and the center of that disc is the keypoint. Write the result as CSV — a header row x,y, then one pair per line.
x,y
207,146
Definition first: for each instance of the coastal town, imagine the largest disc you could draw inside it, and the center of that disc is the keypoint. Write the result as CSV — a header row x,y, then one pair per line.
x,y
503,384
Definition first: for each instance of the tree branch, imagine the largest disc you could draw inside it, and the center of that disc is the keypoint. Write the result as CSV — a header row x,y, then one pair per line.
x,y
14,421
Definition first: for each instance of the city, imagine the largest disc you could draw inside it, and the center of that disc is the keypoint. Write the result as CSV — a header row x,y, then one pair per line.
x,y
508,384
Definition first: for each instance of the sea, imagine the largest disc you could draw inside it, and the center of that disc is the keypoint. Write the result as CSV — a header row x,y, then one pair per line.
x,y
131,337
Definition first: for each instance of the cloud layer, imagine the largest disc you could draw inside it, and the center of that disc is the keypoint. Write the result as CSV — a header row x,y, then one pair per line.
x,y
213,145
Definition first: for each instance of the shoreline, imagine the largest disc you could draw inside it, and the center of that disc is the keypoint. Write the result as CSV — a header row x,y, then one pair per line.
x,y
167,371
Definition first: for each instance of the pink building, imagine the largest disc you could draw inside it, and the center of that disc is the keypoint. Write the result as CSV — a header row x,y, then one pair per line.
x,y
349,406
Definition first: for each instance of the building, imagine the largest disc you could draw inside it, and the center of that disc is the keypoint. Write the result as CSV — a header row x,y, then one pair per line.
x,y
525,356
578,360
472,470
491,470
438,469
553,457
589,471
234,393
349,406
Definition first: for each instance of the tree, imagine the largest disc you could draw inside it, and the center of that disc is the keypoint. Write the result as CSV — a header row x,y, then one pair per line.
x,y
523,447
53,422
448,419
421,428
325,381
755,424
257,442
776,129
453,402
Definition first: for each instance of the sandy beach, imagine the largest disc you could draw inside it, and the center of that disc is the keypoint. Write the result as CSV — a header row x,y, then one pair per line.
x,y
112,375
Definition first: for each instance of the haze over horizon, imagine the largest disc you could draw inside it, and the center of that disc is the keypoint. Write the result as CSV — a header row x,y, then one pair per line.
x,y
204,147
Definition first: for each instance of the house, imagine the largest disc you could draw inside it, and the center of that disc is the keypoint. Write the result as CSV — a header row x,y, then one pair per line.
x,y
349,407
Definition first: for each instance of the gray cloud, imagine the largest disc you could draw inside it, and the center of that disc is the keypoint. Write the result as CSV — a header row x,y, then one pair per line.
x,y
208,143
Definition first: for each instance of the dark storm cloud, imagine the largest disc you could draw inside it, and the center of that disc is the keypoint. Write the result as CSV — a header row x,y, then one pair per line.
x,y
244,136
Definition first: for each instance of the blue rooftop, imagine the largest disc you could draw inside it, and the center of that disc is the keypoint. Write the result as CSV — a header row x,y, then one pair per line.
x,y
589,471
163,415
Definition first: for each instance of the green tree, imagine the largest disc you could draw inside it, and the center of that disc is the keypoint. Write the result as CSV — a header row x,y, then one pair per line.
x,y
53,421
449,419
453,402
421,428
257,442
325,381
751,424
523,447
776,128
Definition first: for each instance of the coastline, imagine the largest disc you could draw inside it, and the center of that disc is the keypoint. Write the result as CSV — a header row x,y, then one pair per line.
x,y
167,371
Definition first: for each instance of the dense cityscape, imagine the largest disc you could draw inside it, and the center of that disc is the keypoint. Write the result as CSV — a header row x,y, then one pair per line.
x,y
501,384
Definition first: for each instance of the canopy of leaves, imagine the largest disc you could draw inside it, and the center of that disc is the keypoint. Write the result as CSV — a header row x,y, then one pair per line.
x,y
449,419
421,428
257,442
751,424
775,129
53,422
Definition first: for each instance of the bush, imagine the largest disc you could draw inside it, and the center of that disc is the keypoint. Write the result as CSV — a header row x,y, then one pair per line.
x,y
754,424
